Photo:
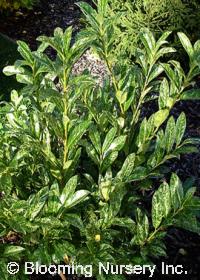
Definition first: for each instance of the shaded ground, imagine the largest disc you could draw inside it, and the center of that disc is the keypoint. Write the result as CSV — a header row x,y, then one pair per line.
x,y
8,55
27,25
189,165
183,247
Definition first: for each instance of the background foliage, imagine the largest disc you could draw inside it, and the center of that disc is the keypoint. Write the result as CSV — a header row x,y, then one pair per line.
x,y
157,15
16,4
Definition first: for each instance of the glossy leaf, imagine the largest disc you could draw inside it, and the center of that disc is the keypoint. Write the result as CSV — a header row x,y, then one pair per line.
x,y
170,134
13,250
164,94
116,145
186,44
180,128
25,52
76,133
75,199
160,117
127,167
176,191
37,203
69,189
53,200
95,138
108,160
193,94
161,204
109,139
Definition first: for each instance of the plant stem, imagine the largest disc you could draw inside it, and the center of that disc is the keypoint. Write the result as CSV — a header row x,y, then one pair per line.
x,y
110,69
136,114
114,83
65,117
154,233
161,228
62,276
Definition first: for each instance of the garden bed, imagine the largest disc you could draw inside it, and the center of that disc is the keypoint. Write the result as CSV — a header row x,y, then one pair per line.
x,y
27,25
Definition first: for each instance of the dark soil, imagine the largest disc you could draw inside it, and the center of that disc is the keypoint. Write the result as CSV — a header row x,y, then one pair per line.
x,y
189,165
183,247
27,25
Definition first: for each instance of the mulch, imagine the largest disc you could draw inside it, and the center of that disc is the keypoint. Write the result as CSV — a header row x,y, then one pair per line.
x,y
27,25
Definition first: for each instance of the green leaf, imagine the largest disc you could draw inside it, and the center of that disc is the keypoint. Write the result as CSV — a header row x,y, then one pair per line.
x,y
105,188
95,138
180,128
92,153
69,189
12,250
67,39
108,160
161,204
49,156
192,94
74,220
164,94
138,173
164,51
186,150
49,223
41,254
190,200
176,192
186,44
6,184
148,41
142,228
12,70
171,75
188,221
25,52
121,96
90,14
143,134
170,134
155,72
25,79
36,203
109,139
162,40
157,248
78,197
116,197
102,6
35,123
160,117
76,133
178,69
127,167
4,271
124,222
45,61
62,250
116,145
53,200
192,141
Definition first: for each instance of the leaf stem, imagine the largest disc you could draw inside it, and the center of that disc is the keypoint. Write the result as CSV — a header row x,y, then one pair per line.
x,y
65,117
